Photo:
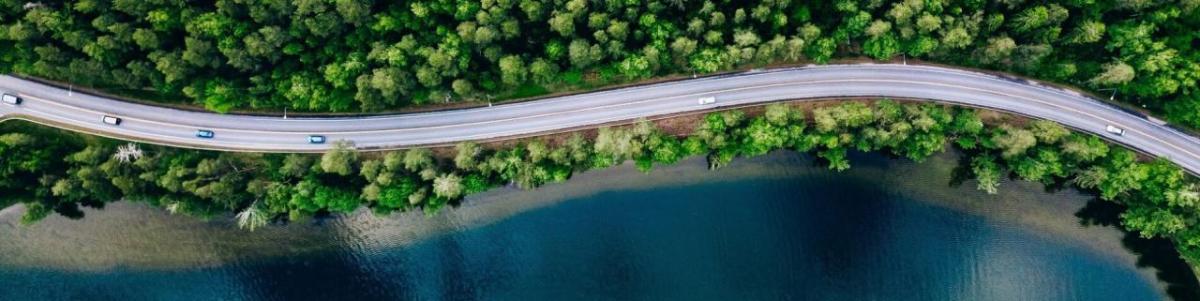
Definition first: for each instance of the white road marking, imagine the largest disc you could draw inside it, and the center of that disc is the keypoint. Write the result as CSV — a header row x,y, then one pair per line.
x,y
1075,100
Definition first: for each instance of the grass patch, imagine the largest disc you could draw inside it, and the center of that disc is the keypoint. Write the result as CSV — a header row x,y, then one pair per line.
x,y
573,77
525,90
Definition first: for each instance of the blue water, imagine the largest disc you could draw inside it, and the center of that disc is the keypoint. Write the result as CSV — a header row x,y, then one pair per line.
x,y
824,237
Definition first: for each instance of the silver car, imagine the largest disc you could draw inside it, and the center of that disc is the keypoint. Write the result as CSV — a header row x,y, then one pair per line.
x,y
11,99
111,120
1115,130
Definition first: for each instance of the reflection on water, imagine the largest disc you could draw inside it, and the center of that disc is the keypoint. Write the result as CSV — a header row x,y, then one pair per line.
x,y
767,228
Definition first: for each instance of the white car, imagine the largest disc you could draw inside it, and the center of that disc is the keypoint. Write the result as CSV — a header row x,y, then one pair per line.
x,y
1115,130
111,120
707,100
11,99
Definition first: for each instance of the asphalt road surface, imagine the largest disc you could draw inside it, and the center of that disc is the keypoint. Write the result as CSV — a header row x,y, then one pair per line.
x,y
61,108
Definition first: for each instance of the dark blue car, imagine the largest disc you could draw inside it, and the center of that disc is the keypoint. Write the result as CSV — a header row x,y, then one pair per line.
x,y
206,134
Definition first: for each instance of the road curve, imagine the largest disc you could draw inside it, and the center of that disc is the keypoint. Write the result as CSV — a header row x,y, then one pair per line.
x,y
81,112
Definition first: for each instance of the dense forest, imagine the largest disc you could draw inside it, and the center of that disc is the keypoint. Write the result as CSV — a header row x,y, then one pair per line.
x,y
362,55
60,171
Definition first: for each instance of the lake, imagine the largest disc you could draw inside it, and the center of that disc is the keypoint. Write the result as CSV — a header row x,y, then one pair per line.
x,y
777,227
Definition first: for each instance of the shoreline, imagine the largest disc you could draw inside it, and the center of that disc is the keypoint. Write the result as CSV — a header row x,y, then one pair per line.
x,y
133,236
11,209
505,202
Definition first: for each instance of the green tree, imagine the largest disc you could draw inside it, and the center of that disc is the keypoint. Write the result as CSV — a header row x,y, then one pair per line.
x,y
512,70
543,71
1048,132
1115,73
418,159
1089,31
340,159
448,186
468,154
882,47
1083,148
1014,141
987,174
998,48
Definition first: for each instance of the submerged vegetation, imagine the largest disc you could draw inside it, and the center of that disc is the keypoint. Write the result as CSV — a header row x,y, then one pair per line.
x,y
58,172
363,55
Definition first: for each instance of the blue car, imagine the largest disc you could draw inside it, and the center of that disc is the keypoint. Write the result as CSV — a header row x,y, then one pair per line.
x,y
316,139
206,134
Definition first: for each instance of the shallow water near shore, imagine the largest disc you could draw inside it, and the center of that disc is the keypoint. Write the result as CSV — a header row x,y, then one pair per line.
x,y
772,227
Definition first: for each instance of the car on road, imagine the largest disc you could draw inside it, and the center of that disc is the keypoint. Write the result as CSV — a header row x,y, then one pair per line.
x,y
111,120
316,139
1115,130
206,134
707,100
11,99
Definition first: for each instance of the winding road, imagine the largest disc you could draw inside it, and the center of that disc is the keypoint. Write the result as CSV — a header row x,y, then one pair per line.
x,y
81,112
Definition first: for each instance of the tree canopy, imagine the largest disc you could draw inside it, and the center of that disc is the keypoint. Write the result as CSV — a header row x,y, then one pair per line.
x,y
61,171
364,55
